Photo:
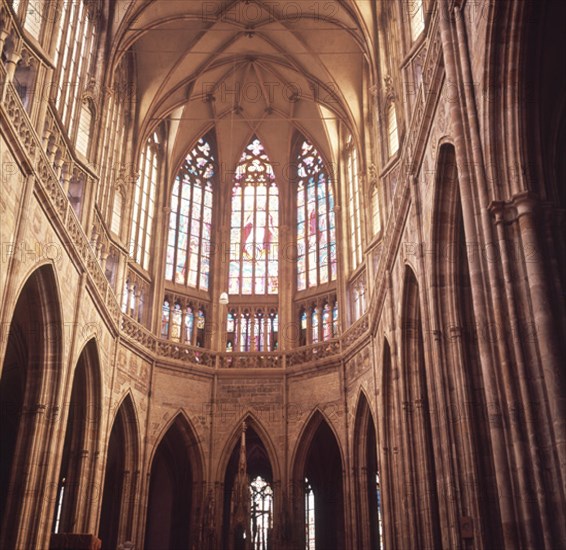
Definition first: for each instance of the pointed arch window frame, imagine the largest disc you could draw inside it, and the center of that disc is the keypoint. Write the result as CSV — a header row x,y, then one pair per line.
x,y
192,199
316,219
145,200
353,187
254,221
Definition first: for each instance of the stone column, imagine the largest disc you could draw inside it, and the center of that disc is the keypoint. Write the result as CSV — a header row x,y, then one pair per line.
x,y
491,364
13,56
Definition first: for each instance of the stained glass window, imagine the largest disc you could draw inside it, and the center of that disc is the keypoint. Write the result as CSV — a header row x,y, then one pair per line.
x,y
189,324
318,322
314,325
354,211
326,322
244,339
261,513
316,223
144,202
309,517
247,331
190,220
176,320
254,225
165,315
74,54
273,340
304,326
200,325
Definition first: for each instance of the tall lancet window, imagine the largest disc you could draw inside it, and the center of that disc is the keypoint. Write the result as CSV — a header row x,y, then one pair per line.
x,y
261,513
74,55
144,201
190,219
254,225
316,223
309,517
354,210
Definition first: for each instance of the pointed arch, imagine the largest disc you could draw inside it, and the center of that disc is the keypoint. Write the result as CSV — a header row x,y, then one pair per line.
x,y
145,198
363,417
390,451
253,422
121,476
175,487
90,355
181,422
363,402
316,220
466,395
318,460
76,480
190,220
254,233
263,471
30,382
308,431
367,477
410,321
419,443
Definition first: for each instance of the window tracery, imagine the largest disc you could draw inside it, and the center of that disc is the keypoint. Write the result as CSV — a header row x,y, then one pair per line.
x,y
316,223
133,297
318,320
354,208
74,53
190,220
249,330
183,321
254,225
261,513
144,202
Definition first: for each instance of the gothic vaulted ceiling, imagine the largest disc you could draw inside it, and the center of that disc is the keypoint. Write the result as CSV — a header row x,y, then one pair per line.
x,y
248,66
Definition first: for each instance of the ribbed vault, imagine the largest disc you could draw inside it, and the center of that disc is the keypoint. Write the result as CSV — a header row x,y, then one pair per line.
x,y
247,66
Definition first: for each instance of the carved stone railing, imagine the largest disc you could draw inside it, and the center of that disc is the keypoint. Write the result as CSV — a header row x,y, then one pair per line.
x,y
50,161
355,332
410,156
138,333
48,187
252,360
315,352
185,353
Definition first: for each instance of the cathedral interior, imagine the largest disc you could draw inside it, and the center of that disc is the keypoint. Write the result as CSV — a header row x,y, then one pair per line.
x,y
282,275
